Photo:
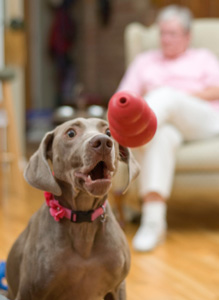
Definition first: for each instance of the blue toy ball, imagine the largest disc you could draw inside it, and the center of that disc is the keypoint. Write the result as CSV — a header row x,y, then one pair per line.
x,y
2,276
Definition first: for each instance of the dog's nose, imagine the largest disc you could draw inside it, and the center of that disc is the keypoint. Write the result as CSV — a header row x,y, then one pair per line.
x,y
101,144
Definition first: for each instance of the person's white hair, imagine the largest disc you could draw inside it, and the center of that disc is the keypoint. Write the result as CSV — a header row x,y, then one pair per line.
x,y
181,13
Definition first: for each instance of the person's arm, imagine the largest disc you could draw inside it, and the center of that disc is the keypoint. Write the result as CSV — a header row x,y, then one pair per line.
x,y
132,79
210,93
210,77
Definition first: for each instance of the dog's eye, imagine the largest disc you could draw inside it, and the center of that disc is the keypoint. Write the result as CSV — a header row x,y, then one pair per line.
x,y
71,133
108,132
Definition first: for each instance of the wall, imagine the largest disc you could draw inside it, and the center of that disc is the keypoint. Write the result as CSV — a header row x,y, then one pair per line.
x,y
102,65
98,50
41,75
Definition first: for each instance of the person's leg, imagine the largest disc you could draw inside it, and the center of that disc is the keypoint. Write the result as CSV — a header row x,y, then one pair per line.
x,y
156,176
193,117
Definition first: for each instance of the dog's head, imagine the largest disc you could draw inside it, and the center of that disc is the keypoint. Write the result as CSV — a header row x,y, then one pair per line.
x,y
82,153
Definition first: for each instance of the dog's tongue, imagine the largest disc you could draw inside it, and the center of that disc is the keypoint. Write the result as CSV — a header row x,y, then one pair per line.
x,y
96,175
98,181
97,187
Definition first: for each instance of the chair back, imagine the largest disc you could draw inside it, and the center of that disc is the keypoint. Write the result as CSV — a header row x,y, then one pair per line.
x,y
139,38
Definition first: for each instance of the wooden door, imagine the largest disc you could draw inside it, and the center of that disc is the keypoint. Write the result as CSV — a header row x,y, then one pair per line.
x,y
200,9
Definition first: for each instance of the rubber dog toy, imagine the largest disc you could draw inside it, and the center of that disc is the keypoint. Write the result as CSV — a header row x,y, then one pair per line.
x,y
132,123
2,276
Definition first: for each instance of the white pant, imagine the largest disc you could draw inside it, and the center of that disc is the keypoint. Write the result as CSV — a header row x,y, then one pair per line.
x,y
180,117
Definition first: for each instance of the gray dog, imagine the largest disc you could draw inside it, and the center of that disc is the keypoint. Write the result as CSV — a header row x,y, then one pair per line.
x,y
73,247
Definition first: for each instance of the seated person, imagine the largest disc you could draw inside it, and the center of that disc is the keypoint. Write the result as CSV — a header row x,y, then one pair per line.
x,y
181,85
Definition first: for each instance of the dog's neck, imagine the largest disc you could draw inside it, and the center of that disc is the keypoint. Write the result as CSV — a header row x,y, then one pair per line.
x,y
78,200
83,234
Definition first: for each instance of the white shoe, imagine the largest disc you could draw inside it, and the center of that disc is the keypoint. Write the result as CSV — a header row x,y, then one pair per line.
x,y
153,226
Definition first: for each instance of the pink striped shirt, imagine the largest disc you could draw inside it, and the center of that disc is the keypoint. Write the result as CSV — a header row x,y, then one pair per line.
x,y
193,71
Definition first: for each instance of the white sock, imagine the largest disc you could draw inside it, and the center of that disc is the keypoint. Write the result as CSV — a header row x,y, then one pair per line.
x,y
153,212
152,227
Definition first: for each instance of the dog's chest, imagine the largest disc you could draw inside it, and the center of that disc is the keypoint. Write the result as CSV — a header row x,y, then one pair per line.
x,y
89,277
101,263
72,272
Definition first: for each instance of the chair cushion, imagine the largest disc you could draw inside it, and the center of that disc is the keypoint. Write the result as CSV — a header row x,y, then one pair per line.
x,y
198,156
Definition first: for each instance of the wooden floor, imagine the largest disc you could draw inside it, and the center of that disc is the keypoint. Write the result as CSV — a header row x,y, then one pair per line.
x,y
185,267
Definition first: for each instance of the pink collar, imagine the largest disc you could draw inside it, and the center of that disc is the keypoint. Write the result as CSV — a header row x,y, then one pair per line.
x,y
58,212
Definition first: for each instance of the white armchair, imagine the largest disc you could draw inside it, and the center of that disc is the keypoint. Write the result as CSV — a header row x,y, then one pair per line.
x,y
197,166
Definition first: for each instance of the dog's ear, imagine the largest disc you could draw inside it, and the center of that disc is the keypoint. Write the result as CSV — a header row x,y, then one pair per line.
x,y
38,172
126,156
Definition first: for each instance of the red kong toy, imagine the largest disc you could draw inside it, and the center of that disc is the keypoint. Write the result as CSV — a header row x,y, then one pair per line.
x,y
132,123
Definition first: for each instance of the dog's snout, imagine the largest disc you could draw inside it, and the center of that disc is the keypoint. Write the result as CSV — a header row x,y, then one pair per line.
x,y
101,144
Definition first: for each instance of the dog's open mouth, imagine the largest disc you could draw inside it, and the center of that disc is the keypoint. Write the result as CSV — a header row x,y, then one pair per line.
x,y
96,180
100,171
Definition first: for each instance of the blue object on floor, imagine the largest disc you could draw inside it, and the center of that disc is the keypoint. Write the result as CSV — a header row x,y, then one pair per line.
x,y
2,276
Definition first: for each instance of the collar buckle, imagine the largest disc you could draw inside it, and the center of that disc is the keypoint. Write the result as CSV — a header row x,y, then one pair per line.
x,y
81,216
104,215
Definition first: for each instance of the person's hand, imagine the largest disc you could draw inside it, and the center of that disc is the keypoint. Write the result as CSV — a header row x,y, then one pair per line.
x,y
208,94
